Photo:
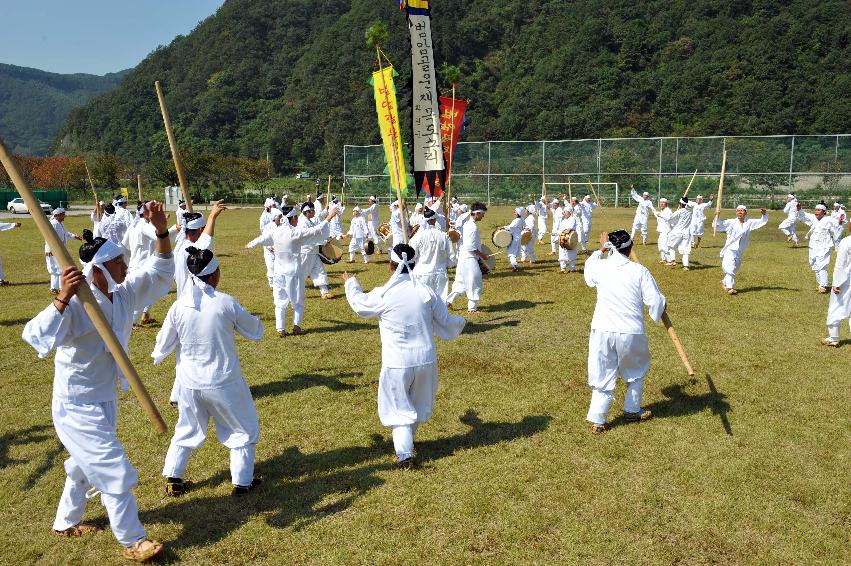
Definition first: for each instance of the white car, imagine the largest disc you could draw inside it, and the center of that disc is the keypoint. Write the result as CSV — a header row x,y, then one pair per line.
x,y
18,206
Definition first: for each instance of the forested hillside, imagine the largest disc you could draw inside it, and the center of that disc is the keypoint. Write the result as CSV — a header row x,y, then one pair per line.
x,y
290,76
35,104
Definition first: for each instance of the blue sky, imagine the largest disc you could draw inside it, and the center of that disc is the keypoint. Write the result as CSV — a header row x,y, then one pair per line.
x,y
93,36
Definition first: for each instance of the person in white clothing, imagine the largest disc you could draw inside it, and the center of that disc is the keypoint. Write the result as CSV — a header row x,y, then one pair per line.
x,y
336,223
841,217
679,235
642,213
198,233
4,226
586,212
556,213
527,251
267,219
663,215
373,221
698,218
140,242
275,216
820,236
792,210
200,328
409,315
580,222
85,401
119,222
417,217
435,255
617,344
543,212
567,258
289,239
181,210
516,228
359,233
738,231
839,308
311,265
57,221
319,205
468,274
397,229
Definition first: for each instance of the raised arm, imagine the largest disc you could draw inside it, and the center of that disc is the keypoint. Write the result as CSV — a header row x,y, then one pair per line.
x,y
218,208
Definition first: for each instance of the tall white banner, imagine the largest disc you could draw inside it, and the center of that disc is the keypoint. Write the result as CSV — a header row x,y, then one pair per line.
x,y
428,151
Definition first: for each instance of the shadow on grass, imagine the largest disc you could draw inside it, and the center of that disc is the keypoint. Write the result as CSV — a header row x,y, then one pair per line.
x,y
14,322
23,437
304,381
300,489
680,403
55,452
515,305
339,326
488,325
766,288
45,282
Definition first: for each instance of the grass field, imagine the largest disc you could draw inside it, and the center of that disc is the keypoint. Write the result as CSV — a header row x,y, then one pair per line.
x,y
747,462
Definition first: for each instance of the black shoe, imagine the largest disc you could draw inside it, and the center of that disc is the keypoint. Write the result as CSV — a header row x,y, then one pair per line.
x,y
175,487
245,489
407,464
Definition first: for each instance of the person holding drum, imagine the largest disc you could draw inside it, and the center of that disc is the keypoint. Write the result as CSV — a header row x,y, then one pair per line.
x,y
359,233
468,274
568,242
515,229
373,219
617,344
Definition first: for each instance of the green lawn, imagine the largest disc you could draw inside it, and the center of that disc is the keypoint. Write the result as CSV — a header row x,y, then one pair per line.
x,y
747,462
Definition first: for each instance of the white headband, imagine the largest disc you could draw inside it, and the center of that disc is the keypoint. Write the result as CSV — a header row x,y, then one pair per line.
x,y
292,213
276,213
518,210
196,223
478,209
58,211
821,207
199,287
108,251
663,199
742,207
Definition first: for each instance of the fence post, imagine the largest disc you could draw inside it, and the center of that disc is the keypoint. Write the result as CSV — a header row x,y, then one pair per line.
x,y
599,158
791,165
659,185
543,166
489,173
344,165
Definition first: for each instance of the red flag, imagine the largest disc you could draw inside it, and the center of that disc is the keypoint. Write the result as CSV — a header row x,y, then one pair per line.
x,y
451,123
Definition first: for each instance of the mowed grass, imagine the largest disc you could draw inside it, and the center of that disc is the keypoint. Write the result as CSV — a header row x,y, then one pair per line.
x,y
746,462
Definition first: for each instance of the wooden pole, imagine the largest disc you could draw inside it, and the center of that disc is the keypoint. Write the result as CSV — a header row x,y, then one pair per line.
x,y
139,186
720,195
594,192
396,171
569,191
685,194
666,320
84,293
98,211
175,155
451,148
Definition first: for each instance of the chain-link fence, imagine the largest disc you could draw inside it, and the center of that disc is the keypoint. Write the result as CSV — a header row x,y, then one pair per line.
x,y
760,170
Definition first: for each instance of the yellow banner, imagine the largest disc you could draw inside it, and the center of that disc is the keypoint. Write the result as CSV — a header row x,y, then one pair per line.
x,y
125,192
388,123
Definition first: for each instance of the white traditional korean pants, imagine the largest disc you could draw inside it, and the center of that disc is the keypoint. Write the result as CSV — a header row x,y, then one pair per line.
x,y
819,260
468,280
679,242
730,263
405,399
237,427
373,235
288,290
358,245
55,272
788,227
437,280
269,258
567,258
2,275
639,224
313,268
554,242
611,354
97,459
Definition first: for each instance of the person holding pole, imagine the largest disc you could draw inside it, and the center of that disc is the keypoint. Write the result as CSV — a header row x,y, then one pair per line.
x,y
198,233
618,344
468,274
642,213
698,218
85,401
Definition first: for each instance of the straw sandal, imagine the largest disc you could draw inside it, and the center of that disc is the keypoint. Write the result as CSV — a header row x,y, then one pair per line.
x,y
143,550
78,530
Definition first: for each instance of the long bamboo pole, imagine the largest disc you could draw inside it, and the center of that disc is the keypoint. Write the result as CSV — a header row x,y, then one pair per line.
x,y
98,211
396,171
685,194
139,186
720,195
175,155
84,294
594,192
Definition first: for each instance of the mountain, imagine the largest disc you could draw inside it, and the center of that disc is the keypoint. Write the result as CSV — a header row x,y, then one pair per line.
x,y
34,104
289,77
